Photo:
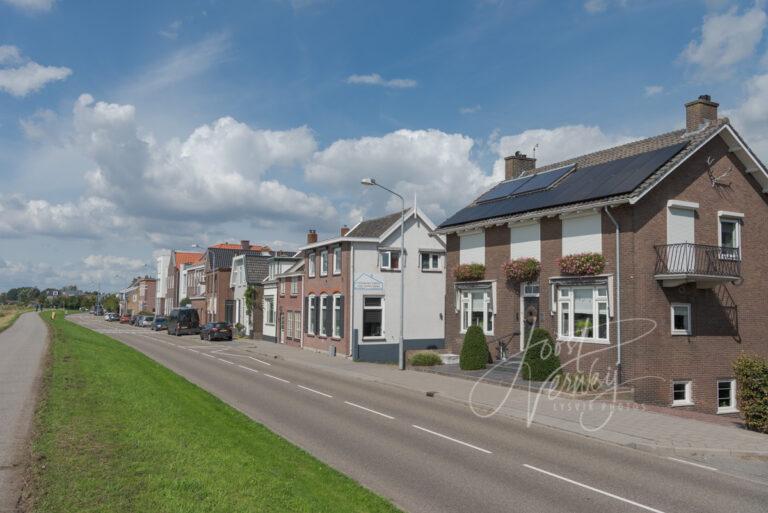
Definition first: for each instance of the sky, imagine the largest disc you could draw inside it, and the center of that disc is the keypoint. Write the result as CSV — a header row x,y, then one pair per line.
x,y
129,128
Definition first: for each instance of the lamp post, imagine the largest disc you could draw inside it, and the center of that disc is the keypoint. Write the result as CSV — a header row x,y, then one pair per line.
x,y
401,343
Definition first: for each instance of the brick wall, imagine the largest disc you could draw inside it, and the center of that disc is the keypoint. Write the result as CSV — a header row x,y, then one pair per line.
x,y
331,284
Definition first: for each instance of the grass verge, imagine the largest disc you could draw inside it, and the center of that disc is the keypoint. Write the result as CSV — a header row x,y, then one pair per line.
x,y
9,314
117,432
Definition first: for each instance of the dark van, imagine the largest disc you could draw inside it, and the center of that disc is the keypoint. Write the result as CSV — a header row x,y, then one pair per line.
x,y
183,321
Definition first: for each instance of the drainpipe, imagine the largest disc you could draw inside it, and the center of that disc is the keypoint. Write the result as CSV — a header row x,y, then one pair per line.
x,y
618,294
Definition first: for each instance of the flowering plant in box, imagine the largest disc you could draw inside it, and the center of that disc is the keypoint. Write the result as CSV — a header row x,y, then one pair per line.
x,y
582,264
522,269
469,272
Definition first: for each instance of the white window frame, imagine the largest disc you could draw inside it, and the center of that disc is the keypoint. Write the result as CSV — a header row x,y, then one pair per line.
x,y
335,326
324,262
382,307
566,304
388,266
434,261
321,328
688,331
294,285
311,264
297,325
337,260
289,325
730,218
465,306
727,409
688,399
530,289
270,318
282,286
311,314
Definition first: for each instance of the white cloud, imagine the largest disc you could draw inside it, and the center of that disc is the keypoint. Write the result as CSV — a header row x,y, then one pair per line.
x,y
595,6
434,165
113,262
377,80
751,117
31,5
22,76
557,144
172,30
40,124
726,40
470,110
653,90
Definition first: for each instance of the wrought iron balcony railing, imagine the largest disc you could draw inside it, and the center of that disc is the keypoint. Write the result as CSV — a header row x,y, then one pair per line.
x,y
689,259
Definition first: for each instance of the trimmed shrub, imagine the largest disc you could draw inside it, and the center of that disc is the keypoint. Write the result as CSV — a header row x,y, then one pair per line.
x,y
474,352
752,391
582,264
576,382
522,269
469,272
540,361
426,359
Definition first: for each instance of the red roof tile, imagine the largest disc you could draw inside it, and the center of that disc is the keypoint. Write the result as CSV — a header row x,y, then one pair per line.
x,y
183,257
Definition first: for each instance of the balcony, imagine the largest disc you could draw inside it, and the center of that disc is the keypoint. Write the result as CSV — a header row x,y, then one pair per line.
x,y
706,266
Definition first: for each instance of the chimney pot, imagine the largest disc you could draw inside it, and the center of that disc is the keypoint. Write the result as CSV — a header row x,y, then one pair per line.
x,y
517,164
700,111
344,230
245,244
311,237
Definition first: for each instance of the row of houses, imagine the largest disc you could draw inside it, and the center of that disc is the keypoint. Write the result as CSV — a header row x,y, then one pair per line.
x,y
645,261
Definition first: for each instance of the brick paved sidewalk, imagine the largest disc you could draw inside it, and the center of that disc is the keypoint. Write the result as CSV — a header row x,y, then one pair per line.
x,y
623,423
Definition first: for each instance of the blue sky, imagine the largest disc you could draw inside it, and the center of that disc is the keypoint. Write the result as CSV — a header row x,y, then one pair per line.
x,y
127,128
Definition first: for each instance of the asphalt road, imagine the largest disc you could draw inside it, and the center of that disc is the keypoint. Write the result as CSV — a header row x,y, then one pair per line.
x,y
429,455
22,348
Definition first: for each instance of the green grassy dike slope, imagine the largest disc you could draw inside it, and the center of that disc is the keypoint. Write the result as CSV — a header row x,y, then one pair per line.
x,y
117,432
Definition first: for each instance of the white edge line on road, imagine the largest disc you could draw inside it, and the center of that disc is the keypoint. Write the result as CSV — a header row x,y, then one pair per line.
x,y
226,361
247,368
314,391
713,469
370,410
486,451
592,488
193,350
208,355
275,377
265,363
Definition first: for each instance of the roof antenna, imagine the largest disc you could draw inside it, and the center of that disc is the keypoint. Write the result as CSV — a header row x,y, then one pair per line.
x,y
535,147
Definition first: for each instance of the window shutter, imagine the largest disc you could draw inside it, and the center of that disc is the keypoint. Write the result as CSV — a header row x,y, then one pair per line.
x,y
306,313
316,300
328,315
341,316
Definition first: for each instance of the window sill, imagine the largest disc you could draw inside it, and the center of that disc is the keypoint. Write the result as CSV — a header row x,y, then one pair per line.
x,y
680,334
730,409
682,403
600,341
373,339
487,333
337,273
390,270
435,271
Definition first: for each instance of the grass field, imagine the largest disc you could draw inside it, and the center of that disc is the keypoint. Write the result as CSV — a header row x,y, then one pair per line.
x,y
9,314
119,433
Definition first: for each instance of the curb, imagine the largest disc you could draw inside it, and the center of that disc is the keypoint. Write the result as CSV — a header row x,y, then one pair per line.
x,y
695,451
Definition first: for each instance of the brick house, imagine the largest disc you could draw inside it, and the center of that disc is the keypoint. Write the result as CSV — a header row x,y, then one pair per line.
x,y
176,288
280,262
139,296
290,304
352,288
684,213
192,280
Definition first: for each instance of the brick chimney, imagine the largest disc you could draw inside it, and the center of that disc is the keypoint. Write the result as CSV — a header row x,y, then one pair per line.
x,y
517,164
344,230
311,237
245,245
700,111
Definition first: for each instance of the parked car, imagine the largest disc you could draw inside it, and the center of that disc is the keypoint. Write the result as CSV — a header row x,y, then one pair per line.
x,y
183,321
134,320
160,323
216,331
125,319
111,317
147,321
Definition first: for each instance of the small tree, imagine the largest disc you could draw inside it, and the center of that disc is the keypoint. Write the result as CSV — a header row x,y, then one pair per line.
x,y
540,361
474,351
185,302
752,391
252,299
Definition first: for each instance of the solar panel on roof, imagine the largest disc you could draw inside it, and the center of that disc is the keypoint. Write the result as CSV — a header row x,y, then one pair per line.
x,y
503,189
544,179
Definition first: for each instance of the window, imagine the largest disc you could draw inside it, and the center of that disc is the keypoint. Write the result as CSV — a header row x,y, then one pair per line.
x,y
337,260
337,316
681,319
389,260
297,325
430,261
282,287
289,324
373,317
583,313
472,248
311,328
323,315
726,396
681,393
531,289
476,309
324,262
269,310
294,285
311,265
729,237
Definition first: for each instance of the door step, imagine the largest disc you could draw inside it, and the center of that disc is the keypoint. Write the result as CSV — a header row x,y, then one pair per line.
x,y
449,358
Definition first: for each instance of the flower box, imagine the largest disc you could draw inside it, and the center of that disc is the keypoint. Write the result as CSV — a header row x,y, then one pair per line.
x,y
522,269
469,272
582,264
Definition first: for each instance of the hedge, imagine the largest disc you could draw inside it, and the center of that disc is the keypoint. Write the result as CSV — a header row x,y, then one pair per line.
x,y
426,359
540,361
474,352
752,391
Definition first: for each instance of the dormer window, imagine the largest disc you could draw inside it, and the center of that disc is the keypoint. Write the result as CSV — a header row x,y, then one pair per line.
x,y
389,260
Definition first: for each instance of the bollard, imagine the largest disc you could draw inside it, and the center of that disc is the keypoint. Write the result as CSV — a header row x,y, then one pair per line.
x,y
53,315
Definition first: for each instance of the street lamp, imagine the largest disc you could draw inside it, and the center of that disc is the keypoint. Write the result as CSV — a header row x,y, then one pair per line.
x,y
400,347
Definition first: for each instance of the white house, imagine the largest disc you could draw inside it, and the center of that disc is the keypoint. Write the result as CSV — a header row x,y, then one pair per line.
x,y
278,264
247,270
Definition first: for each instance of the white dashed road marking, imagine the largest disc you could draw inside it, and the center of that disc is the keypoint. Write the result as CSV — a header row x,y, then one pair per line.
x,y
486,451
314,391
275,377
713,469
390,417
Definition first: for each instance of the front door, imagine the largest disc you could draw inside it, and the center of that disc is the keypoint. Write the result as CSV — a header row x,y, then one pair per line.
x,y
529,310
